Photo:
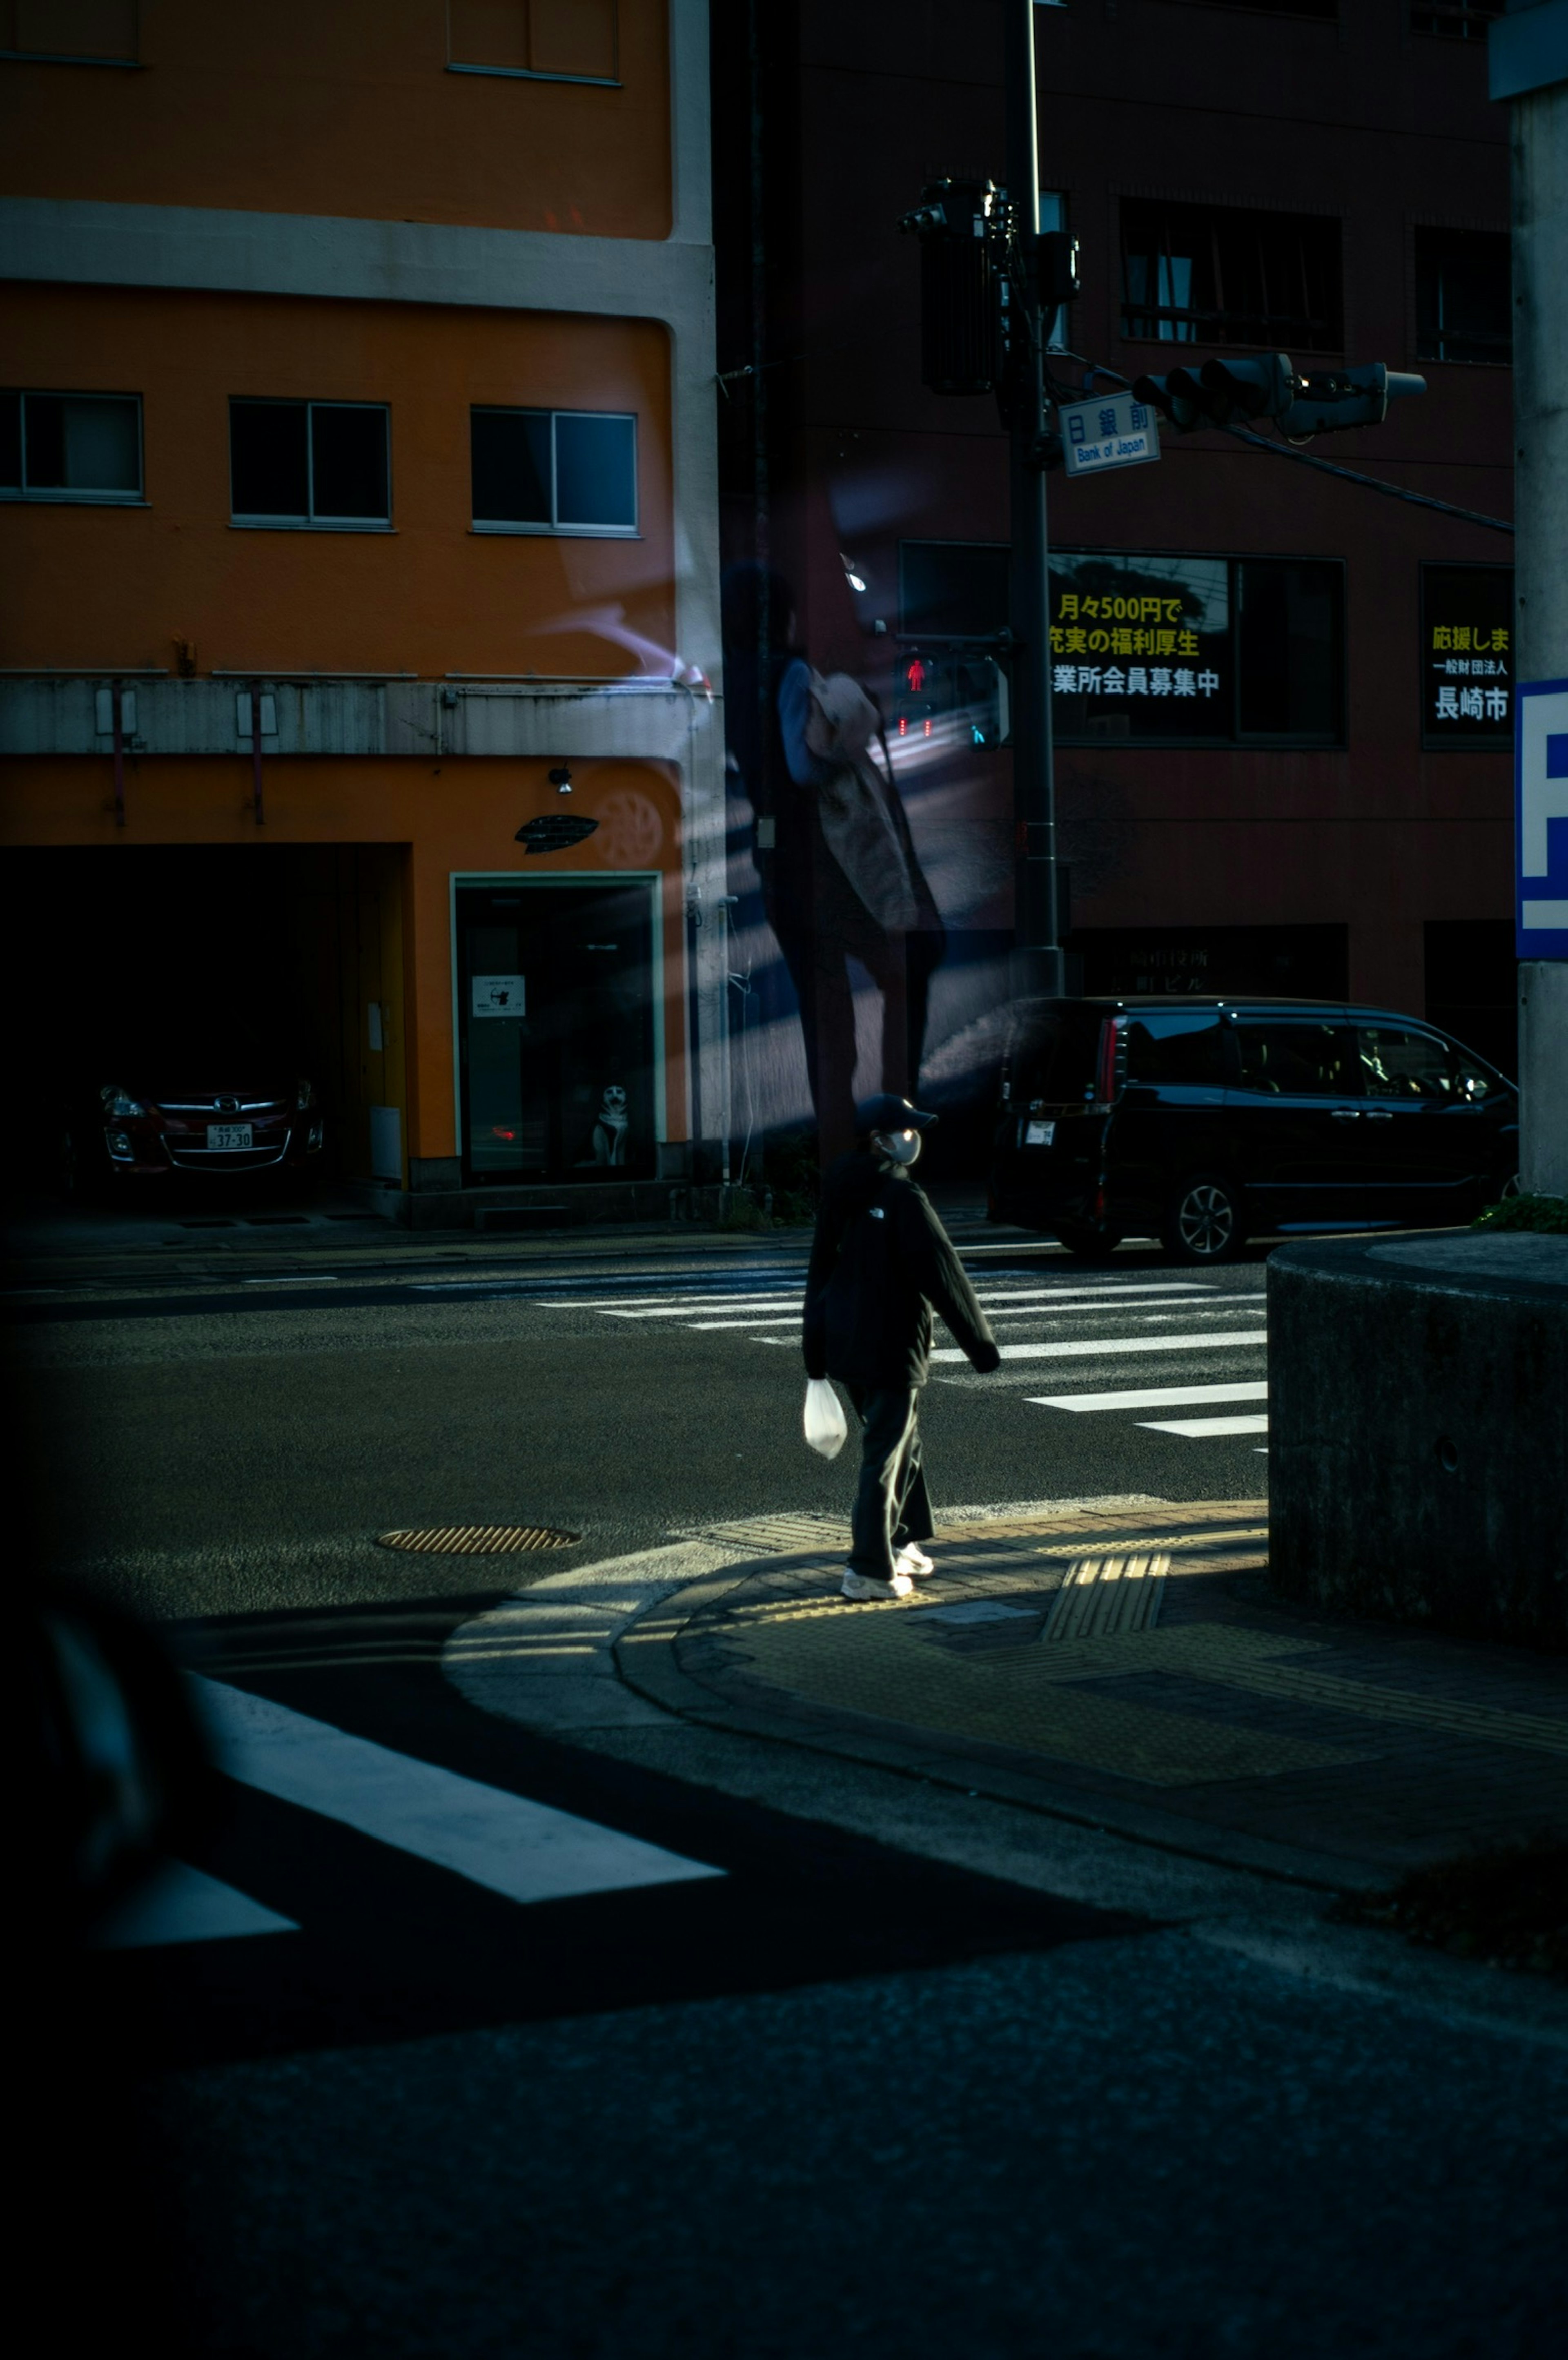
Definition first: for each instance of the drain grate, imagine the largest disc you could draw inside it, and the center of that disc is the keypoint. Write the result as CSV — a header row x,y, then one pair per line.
x,y
478,1540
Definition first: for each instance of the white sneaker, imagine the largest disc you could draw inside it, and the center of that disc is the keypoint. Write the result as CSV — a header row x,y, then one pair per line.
x,y
863,1592
912,1560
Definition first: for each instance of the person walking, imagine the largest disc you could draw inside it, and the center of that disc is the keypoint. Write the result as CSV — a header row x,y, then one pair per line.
x,y
881,1262
799,765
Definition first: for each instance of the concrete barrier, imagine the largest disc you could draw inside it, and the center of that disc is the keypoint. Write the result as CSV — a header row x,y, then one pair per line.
x,y
1418,1431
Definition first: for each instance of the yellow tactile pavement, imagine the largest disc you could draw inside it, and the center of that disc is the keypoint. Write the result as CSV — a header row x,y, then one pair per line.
x,y
905,1663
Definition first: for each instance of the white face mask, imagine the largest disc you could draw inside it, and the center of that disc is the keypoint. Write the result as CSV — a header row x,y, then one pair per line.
x,y
899,1146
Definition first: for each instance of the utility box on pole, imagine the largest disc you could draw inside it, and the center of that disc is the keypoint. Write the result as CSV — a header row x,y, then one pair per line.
x,y
1528,68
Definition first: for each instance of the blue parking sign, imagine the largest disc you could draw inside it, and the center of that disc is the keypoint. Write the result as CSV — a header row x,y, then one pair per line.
x,y
1540,819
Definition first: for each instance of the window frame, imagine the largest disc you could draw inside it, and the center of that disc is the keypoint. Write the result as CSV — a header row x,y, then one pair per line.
x,y
63,495
555,529
1237,740
1443,360
1273,329
248,521
1453,21
536,74
80,57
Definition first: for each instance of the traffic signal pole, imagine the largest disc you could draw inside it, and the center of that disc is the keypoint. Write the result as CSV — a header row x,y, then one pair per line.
x,y
1038,964
1529,72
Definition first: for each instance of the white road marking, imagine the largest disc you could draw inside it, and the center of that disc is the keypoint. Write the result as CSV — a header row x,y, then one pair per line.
x,y
524,1849
182,1903
788,1319
1086,1347
300,1278
1160,1397
1199,1429
704,1303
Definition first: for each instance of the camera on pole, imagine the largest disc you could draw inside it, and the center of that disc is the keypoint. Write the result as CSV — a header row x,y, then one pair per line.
x,y
1235,392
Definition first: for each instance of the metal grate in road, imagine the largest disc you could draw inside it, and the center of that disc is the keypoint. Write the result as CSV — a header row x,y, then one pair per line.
x,y
478,1540
1105,1594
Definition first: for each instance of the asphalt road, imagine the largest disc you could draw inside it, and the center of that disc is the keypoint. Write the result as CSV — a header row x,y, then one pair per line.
x,y
799,2069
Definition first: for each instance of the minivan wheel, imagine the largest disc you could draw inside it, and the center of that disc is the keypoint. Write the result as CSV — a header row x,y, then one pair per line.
x,y
1204,1223
1089,1245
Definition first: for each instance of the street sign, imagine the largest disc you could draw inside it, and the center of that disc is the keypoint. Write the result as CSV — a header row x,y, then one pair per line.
x,y
1541,820
1113,432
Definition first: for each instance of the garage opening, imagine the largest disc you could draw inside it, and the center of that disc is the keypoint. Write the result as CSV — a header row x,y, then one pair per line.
x,y
282,960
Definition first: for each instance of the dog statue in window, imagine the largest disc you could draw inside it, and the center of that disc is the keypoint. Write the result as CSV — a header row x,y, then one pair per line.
x,y
610,1130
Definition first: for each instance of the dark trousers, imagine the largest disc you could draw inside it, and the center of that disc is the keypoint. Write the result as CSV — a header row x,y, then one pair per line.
x,y
817,953
891,1504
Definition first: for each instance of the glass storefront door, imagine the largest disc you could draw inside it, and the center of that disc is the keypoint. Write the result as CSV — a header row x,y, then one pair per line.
x,y
557,1028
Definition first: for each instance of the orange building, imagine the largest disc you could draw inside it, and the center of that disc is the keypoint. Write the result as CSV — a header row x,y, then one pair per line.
x,y
358,504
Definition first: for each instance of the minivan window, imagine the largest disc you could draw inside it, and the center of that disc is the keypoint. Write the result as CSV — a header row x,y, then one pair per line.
x,y
1398,1064
1284,1060
1175,1051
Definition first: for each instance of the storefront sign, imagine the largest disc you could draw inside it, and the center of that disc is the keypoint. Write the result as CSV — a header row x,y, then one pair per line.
x,y
1141,646
1467,655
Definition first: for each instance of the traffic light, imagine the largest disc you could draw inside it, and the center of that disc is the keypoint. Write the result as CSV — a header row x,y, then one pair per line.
x,y
1353,397
962,698
962,254
1221,393
1235,392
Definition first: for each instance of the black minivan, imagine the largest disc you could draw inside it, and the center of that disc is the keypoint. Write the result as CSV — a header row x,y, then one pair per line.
x,y
1201,1121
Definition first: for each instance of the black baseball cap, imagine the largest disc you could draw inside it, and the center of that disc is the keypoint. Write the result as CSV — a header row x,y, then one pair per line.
x,y
885,1112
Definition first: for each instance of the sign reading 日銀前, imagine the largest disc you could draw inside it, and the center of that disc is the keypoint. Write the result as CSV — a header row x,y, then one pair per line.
x,y
1113,432
1540,819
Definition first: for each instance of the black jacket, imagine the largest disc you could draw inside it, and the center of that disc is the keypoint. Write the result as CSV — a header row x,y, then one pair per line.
x,y
881,1261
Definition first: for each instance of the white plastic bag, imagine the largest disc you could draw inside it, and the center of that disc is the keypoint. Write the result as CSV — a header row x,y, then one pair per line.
x,y
825,1425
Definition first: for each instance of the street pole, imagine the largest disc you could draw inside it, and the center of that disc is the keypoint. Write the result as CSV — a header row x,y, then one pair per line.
x,y
1038,964
1530,67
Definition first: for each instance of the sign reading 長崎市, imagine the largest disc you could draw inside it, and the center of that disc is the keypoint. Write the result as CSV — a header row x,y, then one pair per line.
x,y
1467,686
1113,432
1541,820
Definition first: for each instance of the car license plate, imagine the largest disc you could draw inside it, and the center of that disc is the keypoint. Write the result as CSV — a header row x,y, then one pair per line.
x,y
228,1134
1039,1134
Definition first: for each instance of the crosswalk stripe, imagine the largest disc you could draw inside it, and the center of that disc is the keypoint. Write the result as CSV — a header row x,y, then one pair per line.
x,y
524,1849
1156,1397
704,1303
788,1319
182,1903
1084,1348
1196,1429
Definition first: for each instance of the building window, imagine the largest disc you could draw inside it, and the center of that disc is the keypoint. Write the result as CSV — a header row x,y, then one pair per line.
x,y
1054,217
1464,296
71,446
1455,20
1216,275
535,40
953,589
1467,664
1209,651
310,463
566,470
69,32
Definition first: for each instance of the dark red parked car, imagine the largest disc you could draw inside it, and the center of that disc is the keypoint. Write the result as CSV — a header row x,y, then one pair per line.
x,y
188,1101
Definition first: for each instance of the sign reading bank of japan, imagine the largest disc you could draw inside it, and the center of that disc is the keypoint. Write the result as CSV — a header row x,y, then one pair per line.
x,y
1114,431
1540,819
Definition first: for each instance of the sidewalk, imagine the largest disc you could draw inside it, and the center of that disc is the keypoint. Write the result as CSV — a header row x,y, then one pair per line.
x,y
1124,1664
